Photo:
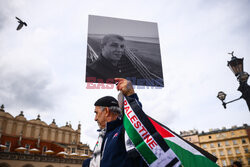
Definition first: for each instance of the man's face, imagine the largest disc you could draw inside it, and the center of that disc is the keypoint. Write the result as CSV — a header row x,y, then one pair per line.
x,y
114,49
100,117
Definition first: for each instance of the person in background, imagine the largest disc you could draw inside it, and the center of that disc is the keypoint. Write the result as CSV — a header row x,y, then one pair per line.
x,y
237,164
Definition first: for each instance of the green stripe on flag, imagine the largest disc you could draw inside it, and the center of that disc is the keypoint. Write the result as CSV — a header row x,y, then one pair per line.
x,y
132,133
146,152
189,159
141,146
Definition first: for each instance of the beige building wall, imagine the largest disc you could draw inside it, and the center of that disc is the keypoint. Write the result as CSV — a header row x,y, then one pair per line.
x,y
191,136
73,138
59,139
227,145
8,128
192,139
53,135
45,134
19,128
28,131
13,129
37,129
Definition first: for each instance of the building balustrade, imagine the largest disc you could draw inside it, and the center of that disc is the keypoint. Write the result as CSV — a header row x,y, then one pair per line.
x,y
39,158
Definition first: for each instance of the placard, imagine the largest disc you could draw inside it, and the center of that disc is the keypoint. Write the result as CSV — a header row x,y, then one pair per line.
x,y
121,48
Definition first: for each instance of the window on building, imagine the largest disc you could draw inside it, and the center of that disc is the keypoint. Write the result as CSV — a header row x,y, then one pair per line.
x,y
212,145
246,150
219,144
87,152
224,163
210,137
232,133
221,153
243,141
73,150
27,146
234,142
229,152
237,151
231,161
227,143
8,145
204,146
214,153
248,161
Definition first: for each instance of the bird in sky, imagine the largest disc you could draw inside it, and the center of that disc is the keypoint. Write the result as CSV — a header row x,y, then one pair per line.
x,y
21,23
232,53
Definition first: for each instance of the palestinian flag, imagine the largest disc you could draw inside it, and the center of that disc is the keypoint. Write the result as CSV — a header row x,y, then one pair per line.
x,y
157,144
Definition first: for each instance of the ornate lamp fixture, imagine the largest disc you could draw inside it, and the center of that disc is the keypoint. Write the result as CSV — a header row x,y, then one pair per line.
x,y
236,65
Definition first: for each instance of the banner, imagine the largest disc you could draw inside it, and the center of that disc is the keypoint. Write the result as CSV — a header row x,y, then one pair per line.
x,y
147,141
157,144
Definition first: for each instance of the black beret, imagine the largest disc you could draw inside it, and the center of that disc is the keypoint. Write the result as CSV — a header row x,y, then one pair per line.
x,y
107,101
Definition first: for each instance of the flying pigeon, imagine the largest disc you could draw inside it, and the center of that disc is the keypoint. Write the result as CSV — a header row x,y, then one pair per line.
x,y
21,23
231,53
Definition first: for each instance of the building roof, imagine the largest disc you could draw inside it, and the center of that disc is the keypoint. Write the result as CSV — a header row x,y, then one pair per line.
x,y
6,115
37,121
212,131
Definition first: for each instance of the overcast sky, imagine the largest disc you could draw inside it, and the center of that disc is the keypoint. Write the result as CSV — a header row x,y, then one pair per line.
x,y
42,66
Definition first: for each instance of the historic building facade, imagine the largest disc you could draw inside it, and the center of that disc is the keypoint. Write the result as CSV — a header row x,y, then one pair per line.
x,y
227,145
21,138
191,136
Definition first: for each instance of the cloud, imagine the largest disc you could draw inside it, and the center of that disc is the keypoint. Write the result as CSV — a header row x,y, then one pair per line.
x,y
29,89
4,13
27,78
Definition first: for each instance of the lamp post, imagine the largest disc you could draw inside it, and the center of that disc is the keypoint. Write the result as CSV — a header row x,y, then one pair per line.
x,y
236,65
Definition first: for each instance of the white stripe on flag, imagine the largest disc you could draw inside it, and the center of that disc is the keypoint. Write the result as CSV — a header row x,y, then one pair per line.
x,y
128,143
184,145
165,159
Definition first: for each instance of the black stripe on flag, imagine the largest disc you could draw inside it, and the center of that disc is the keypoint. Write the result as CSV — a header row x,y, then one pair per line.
x,y
172,163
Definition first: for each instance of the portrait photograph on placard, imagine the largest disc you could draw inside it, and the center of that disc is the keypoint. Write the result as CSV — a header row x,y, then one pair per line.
x,y
121,48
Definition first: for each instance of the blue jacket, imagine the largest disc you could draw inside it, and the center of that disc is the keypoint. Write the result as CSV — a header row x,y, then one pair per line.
x,y
114,153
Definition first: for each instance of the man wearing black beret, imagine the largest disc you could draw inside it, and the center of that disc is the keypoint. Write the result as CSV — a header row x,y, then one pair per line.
x,y
110,148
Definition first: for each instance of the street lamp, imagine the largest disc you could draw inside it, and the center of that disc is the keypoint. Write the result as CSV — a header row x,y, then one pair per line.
x,y
236,65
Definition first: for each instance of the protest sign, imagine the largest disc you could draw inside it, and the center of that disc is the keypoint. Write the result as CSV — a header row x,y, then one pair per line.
x,y
120,48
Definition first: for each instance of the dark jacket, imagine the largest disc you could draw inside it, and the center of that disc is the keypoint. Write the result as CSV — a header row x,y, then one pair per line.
x,y
103,70
114,153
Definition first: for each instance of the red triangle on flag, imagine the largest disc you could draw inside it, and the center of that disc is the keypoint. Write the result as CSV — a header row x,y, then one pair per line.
x,y
163,132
